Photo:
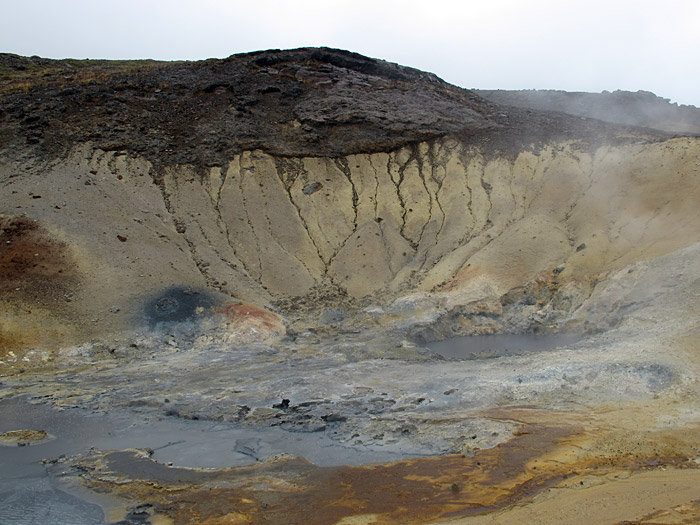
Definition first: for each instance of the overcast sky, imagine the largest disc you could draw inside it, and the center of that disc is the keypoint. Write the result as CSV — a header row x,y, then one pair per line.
x,y
590,45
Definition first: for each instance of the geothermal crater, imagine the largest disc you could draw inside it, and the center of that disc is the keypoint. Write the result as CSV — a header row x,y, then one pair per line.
x,y
235,276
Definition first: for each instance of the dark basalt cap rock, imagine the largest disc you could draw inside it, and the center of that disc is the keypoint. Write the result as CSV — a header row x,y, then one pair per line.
x,y
301,102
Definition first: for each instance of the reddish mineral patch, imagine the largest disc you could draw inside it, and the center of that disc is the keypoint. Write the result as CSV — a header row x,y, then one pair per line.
x,y
243,313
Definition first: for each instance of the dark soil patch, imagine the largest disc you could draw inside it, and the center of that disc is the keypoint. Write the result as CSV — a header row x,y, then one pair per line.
x,y
178,304
34,267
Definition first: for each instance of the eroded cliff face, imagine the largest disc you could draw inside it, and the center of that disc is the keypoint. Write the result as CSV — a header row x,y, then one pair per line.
x,y
413,218
440,225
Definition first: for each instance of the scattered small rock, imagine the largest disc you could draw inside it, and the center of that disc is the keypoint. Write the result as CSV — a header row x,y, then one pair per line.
x,y
121,238
333,418
581,246
312,188
283,405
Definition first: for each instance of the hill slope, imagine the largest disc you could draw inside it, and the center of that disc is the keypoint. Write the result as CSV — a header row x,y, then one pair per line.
x,y
304,102
622,107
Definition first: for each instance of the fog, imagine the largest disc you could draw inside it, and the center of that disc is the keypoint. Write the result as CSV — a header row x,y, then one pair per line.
x,y
640,108
503,44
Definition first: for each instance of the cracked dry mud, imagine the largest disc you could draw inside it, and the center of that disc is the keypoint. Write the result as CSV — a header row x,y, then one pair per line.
x,y
265,302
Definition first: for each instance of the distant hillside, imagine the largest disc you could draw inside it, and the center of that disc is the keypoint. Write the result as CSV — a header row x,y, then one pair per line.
x,y
622,107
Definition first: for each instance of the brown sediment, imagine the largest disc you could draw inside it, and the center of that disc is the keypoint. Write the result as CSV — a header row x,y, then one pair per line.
x,y
290,490
33,265
37,279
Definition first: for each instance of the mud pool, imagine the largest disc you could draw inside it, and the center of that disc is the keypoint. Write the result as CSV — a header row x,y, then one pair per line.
x,y
31,490
499,345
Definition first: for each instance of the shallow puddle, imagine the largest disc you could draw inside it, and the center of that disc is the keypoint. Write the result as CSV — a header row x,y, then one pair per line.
x,y
500,345
28,494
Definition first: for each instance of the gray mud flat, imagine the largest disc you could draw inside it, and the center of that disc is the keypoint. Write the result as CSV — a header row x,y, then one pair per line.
x,y
36,500
182,443
30,494
499,345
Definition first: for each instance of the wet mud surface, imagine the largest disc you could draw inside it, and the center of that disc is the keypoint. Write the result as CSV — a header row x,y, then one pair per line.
x,y
204,434
291,490
177,451
178,304
493,346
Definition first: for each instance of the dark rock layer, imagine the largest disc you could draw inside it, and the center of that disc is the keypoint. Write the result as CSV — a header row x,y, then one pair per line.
x,y
304,102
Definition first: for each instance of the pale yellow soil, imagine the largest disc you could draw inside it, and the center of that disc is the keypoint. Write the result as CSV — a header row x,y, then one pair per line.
x,y
443,220
671,496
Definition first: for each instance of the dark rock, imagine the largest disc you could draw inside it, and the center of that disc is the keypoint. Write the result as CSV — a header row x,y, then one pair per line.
x,y
346,103
529,300
303,425
139,515
334,418
312,188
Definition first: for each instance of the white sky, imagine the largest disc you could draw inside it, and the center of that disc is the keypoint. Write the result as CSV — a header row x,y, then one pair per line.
x,y
574,45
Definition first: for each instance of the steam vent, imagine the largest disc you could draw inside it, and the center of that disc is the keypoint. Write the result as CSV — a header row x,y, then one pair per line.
x,y
310,287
